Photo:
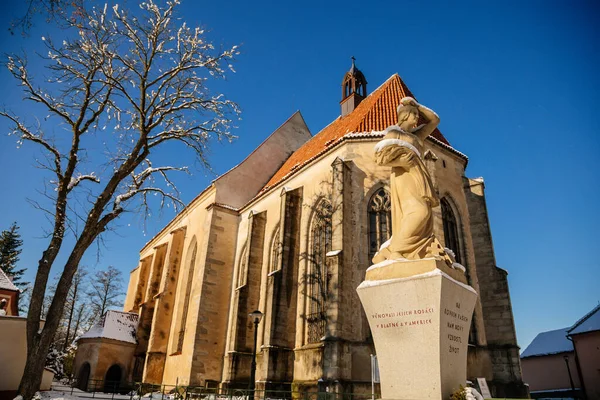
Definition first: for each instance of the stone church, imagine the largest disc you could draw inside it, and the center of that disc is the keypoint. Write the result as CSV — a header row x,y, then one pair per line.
x,y
290,231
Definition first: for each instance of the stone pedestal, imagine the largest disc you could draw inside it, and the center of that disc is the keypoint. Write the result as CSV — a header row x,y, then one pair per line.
x,y
420,314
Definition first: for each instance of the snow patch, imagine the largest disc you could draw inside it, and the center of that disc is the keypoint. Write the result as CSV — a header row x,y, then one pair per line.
x,y
472,394
115,325
459,266
451,253
430,274
395,142
52,395
385,263
384,282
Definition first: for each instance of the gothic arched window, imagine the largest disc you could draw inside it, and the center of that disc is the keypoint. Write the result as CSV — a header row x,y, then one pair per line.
x,y
473,332
316,278
275,253
380,221
191,263
450,230
243,270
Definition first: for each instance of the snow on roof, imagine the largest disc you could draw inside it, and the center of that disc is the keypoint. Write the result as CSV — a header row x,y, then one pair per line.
x,y
115,325
589,323
546,343
6,283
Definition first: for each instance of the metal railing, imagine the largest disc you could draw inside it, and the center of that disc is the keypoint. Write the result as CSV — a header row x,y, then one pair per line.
x,y
99,389
116,390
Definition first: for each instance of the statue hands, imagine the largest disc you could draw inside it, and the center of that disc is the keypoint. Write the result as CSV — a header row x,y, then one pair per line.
x,y
406,158
409,101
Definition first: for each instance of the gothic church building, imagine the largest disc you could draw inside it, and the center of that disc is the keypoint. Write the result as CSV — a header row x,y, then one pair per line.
x,y
290,231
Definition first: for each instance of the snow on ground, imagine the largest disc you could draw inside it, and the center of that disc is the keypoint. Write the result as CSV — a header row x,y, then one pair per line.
x,y
55,395
64,392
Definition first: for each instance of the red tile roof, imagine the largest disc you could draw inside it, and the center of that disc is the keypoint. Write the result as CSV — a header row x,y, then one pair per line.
x,y
375,113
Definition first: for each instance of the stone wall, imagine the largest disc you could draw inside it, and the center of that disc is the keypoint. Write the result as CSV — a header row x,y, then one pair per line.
x,y
216,281
495,299
270,239
101,354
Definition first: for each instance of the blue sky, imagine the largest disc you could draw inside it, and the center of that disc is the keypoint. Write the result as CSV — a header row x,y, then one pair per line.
x,y
514,83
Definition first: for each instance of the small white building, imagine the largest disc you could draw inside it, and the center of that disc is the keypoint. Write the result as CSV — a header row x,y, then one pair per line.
x,y
105,353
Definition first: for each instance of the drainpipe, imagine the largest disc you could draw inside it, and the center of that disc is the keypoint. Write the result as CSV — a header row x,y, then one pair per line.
x,y
578,367
566,357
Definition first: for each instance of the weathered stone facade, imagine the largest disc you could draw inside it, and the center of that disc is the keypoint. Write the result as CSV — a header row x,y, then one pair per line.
x,y
288,232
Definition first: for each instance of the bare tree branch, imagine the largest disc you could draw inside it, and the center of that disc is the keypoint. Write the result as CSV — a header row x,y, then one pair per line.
x,y
126,82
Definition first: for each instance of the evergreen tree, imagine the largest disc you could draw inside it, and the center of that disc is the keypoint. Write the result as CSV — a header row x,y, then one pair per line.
x,y
10,249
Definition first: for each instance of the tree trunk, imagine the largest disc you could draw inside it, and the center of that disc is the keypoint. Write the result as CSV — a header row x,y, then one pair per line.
x,y
34,369
78,319
66,344
38,342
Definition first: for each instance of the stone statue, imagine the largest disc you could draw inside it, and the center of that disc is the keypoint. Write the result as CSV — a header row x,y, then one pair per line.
x,y
412,192
421,355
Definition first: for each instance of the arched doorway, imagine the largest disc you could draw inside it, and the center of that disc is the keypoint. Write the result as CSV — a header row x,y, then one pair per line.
x,y
83,377
112,380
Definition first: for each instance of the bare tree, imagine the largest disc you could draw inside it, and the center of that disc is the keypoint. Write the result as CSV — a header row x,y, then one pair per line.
x,y
73,312
124,86
106,290
53,10
75,299
82,321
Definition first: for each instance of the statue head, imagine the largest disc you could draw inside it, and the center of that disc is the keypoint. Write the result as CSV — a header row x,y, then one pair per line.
x,y
408,116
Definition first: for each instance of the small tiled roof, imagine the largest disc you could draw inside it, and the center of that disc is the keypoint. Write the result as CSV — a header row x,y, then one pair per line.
x,y
375,113
6,283
546,343
589,323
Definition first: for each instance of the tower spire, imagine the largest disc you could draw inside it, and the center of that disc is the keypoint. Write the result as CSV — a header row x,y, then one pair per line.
x,y
354,88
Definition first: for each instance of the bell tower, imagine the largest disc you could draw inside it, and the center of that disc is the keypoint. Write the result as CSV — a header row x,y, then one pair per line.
x,y
354,89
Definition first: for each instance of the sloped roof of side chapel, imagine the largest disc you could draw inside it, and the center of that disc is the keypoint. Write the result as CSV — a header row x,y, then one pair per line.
x,y
374,114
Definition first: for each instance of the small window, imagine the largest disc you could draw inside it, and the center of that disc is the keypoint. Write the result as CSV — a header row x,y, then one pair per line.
x,y
276,250
243,271
450,230
473,332
380,220
317,279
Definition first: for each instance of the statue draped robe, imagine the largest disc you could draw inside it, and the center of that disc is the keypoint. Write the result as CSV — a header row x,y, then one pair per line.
x,y
412,198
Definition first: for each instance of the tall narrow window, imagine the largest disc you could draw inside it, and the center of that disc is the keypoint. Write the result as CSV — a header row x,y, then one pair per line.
x,y
473,332
316,278
243,271
452,241
275,253
380,221
192,249
451,230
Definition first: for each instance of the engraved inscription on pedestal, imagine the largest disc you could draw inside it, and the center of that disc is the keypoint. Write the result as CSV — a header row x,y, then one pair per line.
x,y
453,327
402,318
420,326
